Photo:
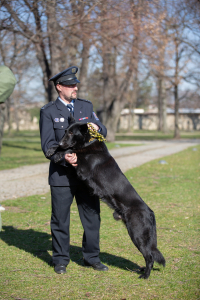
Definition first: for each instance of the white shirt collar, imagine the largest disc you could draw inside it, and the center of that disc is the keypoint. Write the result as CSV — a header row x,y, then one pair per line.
x,y
72,102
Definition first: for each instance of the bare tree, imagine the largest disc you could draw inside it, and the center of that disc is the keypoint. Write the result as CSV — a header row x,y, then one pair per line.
x,y
51,27
171,60
119,51
184,52
112,39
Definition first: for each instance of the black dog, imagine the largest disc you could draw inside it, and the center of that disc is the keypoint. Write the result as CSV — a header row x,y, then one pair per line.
x,y
100,172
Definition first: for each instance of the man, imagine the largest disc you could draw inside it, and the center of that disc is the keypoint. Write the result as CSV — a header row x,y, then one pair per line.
x,y
62,177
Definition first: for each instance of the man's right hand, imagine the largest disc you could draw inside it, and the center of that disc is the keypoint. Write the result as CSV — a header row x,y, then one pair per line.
x,y
71,158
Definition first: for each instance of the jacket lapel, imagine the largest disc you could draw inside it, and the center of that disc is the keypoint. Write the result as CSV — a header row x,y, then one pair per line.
x,y
63,110
78,107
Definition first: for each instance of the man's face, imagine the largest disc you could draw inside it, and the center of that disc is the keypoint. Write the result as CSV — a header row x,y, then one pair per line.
x,y
67,92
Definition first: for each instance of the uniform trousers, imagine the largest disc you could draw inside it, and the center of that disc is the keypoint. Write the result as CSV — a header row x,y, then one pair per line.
x,y
89,212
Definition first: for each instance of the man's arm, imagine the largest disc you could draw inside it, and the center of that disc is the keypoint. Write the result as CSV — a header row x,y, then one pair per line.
x,y
95,120
48,139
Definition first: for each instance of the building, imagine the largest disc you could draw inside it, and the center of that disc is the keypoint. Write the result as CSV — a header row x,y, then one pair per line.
x,y
189,119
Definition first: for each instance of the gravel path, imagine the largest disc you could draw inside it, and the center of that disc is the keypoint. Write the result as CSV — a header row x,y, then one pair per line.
x,y
32,180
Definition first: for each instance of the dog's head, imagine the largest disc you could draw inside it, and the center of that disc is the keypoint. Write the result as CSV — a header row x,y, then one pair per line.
x,y
76,135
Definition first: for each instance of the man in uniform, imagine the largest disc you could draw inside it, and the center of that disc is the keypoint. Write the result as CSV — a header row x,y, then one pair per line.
x,y
64,184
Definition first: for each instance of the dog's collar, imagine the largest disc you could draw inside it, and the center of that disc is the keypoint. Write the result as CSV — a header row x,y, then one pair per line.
x,y
91,141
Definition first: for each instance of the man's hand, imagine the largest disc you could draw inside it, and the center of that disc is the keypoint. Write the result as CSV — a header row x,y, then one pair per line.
x,y
96,127
71,158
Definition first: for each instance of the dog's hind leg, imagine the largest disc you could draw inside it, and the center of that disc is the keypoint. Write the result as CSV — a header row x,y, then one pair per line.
x,y
149,265
142,241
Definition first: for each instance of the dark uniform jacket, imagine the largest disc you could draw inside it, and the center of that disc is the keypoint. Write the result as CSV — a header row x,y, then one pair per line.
x,y
53,122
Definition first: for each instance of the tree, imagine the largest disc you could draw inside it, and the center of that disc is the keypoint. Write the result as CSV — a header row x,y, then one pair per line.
x,y
184,49
117,43
51,27
119,51
7,84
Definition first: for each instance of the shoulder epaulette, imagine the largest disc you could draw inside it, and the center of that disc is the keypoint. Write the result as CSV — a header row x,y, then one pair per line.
x,y
48,104
85,100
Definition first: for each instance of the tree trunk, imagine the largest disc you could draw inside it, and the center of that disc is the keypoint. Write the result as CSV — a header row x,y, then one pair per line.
x,y
54,44
176,131
2,121
162,108
135,7
110,113
16,107
83,71
160,105
113,91
176,99
112,120
8,120
134,98
164,101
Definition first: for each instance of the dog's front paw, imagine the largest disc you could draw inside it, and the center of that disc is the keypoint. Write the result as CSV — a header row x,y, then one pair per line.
x,y
51,151
58,156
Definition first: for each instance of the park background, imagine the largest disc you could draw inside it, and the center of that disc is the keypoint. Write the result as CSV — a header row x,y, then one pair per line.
x,y
131,54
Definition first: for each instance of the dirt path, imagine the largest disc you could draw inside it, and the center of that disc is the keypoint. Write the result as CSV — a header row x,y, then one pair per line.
x,y
32,180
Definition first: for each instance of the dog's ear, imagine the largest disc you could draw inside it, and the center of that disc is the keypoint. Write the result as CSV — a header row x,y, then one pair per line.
x,y
71,119
83,129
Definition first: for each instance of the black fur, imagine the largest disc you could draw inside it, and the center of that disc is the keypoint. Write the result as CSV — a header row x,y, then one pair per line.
x,y
98,169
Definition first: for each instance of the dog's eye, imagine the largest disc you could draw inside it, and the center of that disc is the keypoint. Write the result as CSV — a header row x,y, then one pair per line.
x,y
70,132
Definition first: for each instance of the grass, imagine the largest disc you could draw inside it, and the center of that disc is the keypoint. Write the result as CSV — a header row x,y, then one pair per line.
x,y
171,190
20,149
154,135
24,148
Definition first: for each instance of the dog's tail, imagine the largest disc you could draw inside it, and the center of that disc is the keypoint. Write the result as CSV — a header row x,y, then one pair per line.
x,y
158,257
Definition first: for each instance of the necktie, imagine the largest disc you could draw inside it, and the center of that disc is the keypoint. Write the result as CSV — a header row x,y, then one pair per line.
x,y
71,108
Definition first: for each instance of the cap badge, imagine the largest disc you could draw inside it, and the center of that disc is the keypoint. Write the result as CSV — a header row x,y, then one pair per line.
x,y
62,119
73,70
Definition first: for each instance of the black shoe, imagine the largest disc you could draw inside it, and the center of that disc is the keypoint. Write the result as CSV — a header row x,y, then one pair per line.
x,y
96,266
60,269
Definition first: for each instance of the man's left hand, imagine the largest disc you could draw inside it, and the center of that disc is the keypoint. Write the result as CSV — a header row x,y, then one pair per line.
x,y
96,127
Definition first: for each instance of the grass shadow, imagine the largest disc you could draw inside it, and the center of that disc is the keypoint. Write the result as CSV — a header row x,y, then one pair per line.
x,y
34,242
39,243
106,258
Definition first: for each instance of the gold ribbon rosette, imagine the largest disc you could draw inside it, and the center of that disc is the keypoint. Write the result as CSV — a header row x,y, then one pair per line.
x,y
95,134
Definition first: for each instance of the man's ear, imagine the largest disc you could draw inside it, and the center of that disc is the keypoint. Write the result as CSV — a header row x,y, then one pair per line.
x,y
71,119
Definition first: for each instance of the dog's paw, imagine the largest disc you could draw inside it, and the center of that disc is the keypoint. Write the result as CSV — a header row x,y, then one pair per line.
x,y
51,151
142,269
58,156
143,276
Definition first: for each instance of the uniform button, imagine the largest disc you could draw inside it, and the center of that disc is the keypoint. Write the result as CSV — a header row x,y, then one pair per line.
x,y
62,126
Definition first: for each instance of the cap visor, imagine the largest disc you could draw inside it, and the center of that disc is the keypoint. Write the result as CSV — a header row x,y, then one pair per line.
x,y
69,82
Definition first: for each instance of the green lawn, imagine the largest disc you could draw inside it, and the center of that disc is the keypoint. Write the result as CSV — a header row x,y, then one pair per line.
x,y
24,148
171,190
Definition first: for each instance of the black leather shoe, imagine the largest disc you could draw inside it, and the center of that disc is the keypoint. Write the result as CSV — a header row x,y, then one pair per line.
x,y
60,269
96,266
